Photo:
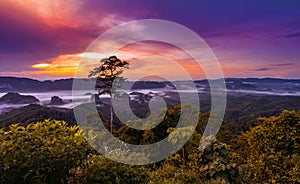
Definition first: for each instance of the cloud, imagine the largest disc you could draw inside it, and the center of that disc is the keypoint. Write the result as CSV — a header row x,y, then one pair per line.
x,y
63,65
38,30
146,59
46,11
283,64
292,34
37,33
262,69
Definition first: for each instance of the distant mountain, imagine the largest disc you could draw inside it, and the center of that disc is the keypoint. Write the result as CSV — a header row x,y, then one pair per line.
x,y
34,113
15,98
8,84
14,84
278,86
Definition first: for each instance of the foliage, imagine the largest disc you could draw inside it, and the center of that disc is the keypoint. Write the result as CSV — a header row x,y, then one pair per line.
x,y
213,162
40,153
102,170
108,79
134,136
178,135
273,149
107,72
52,152
173,175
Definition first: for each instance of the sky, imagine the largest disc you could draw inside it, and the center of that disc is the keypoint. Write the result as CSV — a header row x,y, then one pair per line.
x,y
46,39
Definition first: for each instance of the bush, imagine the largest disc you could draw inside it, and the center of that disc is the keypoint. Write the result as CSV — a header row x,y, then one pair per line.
x,y
40,153
213,163
102,170
172,175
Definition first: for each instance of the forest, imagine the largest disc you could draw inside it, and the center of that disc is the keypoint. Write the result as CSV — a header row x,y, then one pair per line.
x,y
52,151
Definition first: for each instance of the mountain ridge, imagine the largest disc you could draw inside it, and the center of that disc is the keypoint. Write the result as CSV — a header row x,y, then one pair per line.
x,y
20,84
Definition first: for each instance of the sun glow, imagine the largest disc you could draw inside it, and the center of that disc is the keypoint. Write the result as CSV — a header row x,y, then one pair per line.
x,y
64,65
40,65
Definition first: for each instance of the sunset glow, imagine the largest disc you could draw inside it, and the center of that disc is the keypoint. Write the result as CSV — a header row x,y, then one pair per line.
x,y
41,65
47,39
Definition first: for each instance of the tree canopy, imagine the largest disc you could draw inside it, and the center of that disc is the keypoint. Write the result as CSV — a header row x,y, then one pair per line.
x,y
108,73
272,149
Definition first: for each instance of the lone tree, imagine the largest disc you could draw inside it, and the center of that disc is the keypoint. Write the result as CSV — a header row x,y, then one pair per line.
x,y
108,77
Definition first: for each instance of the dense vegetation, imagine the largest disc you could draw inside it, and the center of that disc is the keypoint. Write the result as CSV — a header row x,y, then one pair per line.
x,y
40,153
272,150
53,152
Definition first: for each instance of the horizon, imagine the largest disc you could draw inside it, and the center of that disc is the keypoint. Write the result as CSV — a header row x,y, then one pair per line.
x,y
226,78
250,39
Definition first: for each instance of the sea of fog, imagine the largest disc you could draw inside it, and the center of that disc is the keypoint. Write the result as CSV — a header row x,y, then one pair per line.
x,y
72,99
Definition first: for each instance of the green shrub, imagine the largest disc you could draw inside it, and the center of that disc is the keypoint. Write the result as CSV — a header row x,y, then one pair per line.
x,y
40,153
172,175
102,170
213,162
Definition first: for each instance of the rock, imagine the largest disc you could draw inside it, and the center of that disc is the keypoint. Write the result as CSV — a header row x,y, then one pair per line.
x,y
152,94
140,97
125,96
15,98
136,93
55,100
95,98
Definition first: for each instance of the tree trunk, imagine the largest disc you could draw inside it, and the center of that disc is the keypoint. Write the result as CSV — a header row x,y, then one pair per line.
x,y
111,115
183,159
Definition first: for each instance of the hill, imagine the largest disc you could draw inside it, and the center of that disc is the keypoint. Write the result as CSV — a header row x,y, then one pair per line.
x,y
34,113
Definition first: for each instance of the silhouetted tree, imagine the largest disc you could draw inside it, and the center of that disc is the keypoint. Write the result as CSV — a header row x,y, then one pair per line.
x,y
108,78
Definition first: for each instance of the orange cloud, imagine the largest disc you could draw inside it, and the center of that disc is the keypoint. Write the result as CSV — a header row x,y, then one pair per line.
x,y
157,58
66,13
63,65
146,59
47,11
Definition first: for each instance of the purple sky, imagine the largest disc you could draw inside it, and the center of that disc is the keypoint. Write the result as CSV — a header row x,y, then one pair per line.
x,y
250,38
